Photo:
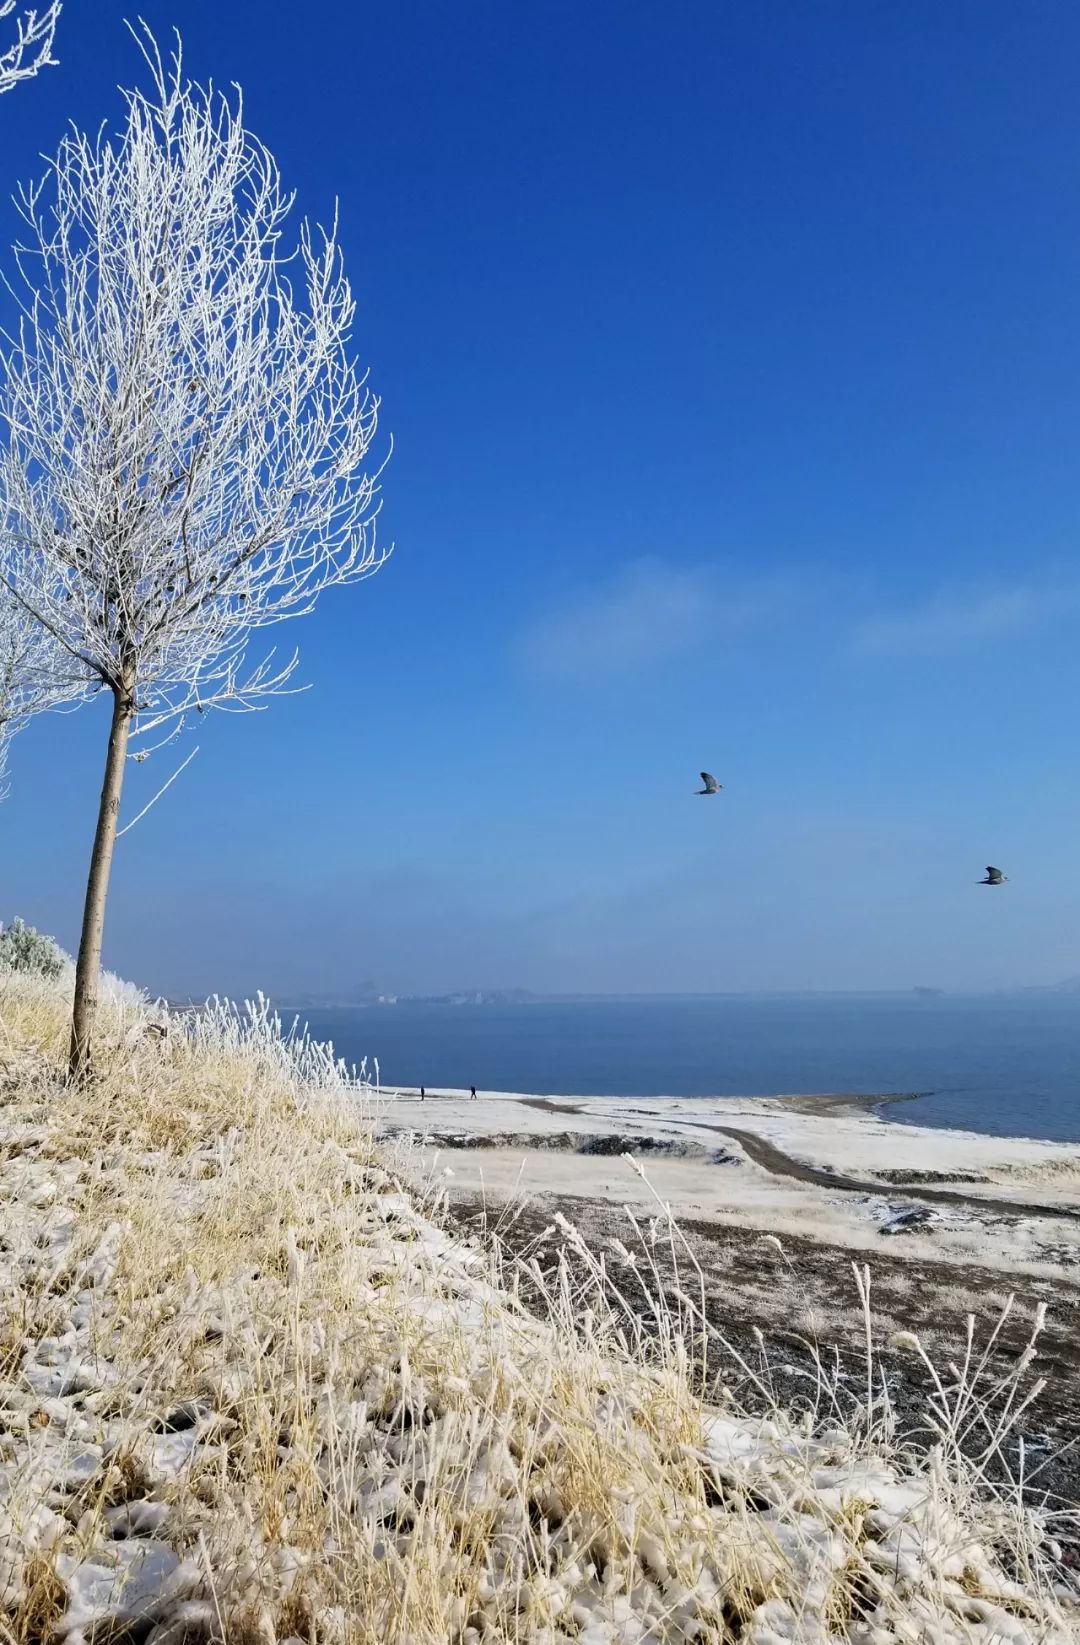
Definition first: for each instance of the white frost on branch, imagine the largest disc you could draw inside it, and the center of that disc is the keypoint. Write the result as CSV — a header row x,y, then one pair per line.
x,y
35,674
32,46
182,426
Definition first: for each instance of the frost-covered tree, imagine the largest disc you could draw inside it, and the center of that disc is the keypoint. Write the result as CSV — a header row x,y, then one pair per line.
x,y
31,47
183,430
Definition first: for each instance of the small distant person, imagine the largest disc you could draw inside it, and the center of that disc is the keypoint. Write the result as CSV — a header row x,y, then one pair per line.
x,y
472,1093
423,1093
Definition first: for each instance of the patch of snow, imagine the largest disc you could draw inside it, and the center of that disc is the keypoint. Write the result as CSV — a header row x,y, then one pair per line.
x,y
124,1582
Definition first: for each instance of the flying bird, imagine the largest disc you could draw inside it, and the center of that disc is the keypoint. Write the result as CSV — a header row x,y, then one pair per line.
x,y
994,876
711,784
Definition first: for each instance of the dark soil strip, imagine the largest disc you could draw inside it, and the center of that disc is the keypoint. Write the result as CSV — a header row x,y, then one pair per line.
x,y
774,1160
752,1287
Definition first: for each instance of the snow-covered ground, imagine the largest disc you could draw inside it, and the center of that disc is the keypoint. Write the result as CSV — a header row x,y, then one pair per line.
x,y
850,1138
251,1389
701,1170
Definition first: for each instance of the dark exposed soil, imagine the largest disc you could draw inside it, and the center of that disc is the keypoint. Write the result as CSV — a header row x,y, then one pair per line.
x,y
573,1142
900,1177
547,1106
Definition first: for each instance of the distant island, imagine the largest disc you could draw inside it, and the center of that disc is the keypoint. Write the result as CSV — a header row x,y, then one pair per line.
x,y
468,996
367,996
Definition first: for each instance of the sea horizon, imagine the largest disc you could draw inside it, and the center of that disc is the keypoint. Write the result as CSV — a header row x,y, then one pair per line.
x,y
287,1000
1002,1063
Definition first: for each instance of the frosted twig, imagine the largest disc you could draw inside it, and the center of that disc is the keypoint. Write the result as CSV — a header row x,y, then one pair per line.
x,y
35,673
32,47
167,784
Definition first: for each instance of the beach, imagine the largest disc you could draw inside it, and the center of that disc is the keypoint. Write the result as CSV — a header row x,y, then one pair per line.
x,y
823,1167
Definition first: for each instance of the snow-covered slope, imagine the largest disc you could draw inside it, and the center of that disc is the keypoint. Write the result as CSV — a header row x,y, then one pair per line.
x,y
250,1388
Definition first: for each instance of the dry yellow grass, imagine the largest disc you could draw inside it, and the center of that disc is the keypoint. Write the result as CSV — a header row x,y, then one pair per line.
x,y
250,1390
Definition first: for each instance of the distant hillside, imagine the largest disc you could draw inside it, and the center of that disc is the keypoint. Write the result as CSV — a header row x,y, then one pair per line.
x,y
362,999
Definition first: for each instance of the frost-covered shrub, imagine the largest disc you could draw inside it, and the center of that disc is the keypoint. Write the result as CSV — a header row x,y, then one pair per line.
x,y
24,949
114,990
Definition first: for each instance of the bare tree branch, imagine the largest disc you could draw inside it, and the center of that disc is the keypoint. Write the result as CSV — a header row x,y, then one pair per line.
x,y
166,784
32,47
35,673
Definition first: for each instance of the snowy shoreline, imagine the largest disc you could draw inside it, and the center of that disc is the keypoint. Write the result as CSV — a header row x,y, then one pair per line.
x,y
830,1167
836,1131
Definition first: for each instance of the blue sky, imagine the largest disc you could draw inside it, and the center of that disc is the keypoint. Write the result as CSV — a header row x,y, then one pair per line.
x,y
731,359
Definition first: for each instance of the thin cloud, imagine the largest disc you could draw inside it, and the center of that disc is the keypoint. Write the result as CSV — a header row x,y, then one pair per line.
x,y
649,611
955,619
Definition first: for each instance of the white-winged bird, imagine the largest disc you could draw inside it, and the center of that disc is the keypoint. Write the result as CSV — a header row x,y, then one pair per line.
x,y
994,876
711,784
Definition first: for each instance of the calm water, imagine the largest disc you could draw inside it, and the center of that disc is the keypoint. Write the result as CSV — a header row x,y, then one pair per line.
x,y
1006,1064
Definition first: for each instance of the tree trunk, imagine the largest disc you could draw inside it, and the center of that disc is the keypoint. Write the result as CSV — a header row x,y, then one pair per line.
x,y
88,965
